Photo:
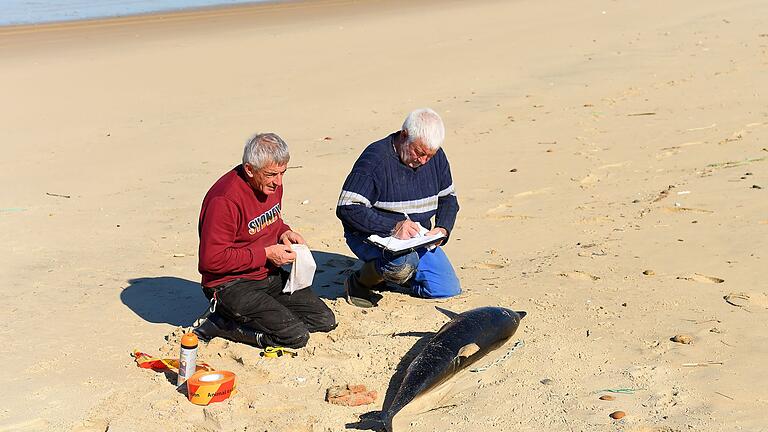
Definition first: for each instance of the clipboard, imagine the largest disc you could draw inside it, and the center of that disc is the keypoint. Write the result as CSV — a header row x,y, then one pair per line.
x,y
397,246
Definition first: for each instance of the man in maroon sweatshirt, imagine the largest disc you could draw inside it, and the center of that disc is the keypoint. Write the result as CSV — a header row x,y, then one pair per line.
x,y
243,243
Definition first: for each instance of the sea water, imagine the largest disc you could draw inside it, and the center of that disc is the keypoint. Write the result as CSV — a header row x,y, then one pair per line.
x,y
17,12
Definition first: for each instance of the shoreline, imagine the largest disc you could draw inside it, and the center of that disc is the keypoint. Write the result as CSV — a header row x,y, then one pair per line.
x,y
164,11
25,40
304,9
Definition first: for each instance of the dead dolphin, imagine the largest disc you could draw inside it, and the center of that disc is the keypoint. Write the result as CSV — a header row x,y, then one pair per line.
x,y
460,342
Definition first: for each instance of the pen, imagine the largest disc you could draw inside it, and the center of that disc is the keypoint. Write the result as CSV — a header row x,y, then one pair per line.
x,y
408,218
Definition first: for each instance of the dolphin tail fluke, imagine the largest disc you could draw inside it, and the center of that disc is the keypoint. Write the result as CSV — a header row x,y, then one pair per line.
x,y
386,420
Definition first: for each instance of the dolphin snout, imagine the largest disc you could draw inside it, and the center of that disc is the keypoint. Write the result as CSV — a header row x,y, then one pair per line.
x,y
522,314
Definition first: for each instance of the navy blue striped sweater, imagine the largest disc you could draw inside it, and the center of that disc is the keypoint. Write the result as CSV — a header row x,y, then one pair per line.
x,y
380,189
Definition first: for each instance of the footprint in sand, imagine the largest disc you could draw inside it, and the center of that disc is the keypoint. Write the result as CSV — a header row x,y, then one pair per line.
x,y
737,299
533,192
696,277
483,266
744,300
36,424
580,275
504,211
613,165
589,179
687,209
671,151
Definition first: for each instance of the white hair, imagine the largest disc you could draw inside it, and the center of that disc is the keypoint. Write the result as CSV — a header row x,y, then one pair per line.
x,y
265,148
424,124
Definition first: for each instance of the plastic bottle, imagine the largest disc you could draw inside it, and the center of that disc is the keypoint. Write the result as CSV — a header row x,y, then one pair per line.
x,y
187,357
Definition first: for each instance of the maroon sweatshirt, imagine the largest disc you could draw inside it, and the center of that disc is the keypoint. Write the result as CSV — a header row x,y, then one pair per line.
x,y
236,224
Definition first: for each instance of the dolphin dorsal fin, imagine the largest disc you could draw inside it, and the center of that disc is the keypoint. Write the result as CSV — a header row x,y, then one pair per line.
x,y
447,313
468,350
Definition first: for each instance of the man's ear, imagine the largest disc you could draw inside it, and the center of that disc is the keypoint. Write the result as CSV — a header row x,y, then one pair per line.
x,y
248,170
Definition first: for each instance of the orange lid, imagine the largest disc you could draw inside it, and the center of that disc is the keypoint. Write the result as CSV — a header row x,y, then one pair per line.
x,y
189,340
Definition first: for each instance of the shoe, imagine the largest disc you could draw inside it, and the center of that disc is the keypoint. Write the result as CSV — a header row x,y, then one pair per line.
x,y
359,295
218,326
212,326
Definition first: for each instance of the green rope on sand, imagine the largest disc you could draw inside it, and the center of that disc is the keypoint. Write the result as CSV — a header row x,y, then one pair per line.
x,y
619,390
517,345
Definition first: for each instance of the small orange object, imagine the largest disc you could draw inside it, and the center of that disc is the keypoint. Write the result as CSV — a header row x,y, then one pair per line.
x,y
146,361
206,387
616,415
350,395
189,340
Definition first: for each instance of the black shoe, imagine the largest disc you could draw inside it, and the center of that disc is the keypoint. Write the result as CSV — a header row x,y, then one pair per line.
x,y
213,326
218,326
358,295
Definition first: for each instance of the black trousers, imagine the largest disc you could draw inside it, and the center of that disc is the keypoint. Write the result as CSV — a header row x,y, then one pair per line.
x,y
285,319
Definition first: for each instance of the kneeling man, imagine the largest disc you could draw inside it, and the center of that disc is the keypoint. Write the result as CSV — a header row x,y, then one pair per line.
x,y
243,243
397,182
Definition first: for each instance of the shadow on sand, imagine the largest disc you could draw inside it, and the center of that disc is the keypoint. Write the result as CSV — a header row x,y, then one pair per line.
x,y
179,302
165,299
372,419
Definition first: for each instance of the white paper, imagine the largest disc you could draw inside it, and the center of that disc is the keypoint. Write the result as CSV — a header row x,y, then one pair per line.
x,y
302,270
396,245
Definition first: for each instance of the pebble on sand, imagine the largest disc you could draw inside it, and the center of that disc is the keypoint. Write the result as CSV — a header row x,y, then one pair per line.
x,y
607,397
682,338
616,415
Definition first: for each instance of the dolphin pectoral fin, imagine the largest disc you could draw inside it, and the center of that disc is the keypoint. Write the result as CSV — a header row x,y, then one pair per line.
x,y
468,350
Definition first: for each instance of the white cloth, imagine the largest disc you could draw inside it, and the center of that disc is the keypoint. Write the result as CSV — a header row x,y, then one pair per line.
x,y
302,270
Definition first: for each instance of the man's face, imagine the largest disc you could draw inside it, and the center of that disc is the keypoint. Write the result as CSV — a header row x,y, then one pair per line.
x,y
416,154
267,179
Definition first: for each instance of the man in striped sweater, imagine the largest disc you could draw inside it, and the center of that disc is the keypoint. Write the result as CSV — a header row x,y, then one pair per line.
x,y
397,183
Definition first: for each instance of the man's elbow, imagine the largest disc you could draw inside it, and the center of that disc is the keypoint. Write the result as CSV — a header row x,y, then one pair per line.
x,y
211,265
342,213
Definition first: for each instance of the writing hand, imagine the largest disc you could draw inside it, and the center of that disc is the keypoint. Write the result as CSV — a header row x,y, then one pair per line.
x,y
405,229
280,254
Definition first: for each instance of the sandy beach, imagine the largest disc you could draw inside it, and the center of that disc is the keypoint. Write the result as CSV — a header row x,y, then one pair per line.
x,y
609,158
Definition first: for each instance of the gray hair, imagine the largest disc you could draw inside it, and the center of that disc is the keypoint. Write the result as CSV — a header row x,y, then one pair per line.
x,y
265,148
426,125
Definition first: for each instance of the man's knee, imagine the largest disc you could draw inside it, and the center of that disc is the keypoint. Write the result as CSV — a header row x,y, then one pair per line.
x,y
401,270
398,274
296,338
325,321
439,287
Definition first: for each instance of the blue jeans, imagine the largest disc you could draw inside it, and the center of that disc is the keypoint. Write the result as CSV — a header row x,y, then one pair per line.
x,y
432,273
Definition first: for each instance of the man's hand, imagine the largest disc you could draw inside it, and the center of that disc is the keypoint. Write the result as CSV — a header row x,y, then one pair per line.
x,y
290,237
280,254
438,230
405,229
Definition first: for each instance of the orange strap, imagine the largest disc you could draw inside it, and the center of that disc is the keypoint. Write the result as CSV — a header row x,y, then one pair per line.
x,y
146,361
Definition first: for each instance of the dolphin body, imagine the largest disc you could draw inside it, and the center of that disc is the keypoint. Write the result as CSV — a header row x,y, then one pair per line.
x,y
459,343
